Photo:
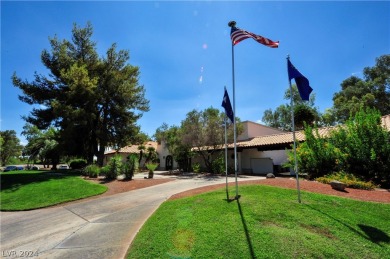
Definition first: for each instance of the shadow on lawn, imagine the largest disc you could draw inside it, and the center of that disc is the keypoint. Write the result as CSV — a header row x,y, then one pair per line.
x,y
375,235
248,238
11,182
372,234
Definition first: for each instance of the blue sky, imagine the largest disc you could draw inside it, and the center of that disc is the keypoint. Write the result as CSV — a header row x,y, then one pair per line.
x,y
184,52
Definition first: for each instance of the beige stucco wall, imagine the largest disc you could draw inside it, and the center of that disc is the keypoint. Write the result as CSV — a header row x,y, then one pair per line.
x,y
252,129
162,154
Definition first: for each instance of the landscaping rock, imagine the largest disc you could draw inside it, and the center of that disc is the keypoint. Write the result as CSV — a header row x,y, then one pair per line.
x,y
338,185
270,175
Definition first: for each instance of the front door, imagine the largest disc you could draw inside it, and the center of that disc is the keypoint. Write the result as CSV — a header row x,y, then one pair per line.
x,y
169,163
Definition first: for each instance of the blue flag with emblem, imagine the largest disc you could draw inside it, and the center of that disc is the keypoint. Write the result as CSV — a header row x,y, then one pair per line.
x,y
228,107
301,81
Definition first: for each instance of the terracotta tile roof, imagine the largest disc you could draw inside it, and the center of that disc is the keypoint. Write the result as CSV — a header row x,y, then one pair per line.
x,y
279,139
133,148
286,138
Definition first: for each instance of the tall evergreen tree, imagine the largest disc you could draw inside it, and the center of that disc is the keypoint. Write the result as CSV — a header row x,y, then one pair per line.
x,y
94,102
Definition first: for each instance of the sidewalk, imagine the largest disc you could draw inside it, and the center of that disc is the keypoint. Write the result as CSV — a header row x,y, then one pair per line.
x,y
97,228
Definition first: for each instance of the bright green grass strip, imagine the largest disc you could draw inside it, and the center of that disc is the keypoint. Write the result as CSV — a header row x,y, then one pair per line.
x,y
266,222
25,190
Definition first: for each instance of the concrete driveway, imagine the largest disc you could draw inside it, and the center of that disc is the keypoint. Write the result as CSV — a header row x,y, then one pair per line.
x,y
98,228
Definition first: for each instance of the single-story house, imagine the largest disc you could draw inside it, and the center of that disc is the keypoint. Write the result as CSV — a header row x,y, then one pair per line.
x,y
260,149
266,153
127,150
166,160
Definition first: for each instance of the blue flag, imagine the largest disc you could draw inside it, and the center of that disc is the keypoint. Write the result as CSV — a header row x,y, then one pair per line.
x,y
301,81
228,107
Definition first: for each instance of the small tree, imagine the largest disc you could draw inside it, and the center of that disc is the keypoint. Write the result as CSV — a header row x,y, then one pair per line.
x,y
151,167
9,146
172,138
152,155
304,112
204,131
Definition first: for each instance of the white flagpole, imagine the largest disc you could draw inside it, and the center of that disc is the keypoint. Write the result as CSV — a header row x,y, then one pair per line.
x,y
226,157
294,139
232,24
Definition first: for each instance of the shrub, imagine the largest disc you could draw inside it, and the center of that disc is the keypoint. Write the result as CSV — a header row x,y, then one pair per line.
x,y
92,170
317,156
350,180
130,166
218,165
104,170
360,147
196,168
151,166
77,163
367,144
114,167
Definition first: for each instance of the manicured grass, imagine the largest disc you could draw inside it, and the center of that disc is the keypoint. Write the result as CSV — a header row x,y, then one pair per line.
x,y
25,190
266,222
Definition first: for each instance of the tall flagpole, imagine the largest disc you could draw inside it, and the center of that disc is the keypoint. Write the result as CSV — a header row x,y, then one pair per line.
x,y
226,157
294,139
233,24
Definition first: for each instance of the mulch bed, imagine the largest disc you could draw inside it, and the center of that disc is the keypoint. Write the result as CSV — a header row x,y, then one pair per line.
x,y
119,186
377,195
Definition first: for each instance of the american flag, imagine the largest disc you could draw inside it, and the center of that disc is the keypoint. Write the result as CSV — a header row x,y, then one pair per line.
x,y
237,35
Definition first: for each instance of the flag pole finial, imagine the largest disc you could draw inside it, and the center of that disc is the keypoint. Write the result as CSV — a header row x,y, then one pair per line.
x,y
232,24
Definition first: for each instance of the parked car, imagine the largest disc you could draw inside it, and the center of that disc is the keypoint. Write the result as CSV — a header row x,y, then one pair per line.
x,y
63,167
13,168
32,167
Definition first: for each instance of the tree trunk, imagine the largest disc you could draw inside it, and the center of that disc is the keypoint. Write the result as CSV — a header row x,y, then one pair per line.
x,y
100,155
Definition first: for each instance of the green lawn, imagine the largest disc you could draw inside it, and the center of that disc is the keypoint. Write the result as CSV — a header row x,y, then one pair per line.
x,y
266,222
25,190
